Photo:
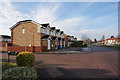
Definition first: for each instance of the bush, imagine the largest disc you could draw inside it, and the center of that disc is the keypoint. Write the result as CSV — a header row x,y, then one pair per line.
x,y
77,44
20,73
25,59
85,45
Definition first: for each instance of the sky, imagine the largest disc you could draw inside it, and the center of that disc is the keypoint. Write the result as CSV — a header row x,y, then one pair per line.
x,y
93,19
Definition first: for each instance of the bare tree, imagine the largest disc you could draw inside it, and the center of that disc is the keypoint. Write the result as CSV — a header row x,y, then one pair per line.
x,y
103,38
112,37
84,37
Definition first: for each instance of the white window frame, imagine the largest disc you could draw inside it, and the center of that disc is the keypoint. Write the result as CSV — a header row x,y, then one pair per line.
x,y
51,32
43,30
23,30
54,33
48,31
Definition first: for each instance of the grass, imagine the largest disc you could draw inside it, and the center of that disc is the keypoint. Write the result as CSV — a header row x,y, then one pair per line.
x,y
109,46
6,65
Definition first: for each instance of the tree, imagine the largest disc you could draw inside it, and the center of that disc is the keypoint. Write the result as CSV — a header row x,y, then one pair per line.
x,y
112,36
84,38
103,38
95,40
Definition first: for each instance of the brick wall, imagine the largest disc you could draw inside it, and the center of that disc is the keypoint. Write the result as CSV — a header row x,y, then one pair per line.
x,y
22,48
19,38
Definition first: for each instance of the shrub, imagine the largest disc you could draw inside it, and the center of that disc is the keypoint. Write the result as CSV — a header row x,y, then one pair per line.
x,y
20,73
85,45
77,44
25,59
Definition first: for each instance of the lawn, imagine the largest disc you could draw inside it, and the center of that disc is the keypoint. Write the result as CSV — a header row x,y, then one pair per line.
x,y
109,46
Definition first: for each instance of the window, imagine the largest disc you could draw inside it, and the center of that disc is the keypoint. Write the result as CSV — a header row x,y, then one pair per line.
x,y
23,30
43,30
51,32
47,31
54,33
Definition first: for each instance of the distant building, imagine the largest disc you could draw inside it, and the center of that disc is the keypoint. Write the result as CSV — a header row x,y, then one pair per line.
x,y
112,41
4,41
5,38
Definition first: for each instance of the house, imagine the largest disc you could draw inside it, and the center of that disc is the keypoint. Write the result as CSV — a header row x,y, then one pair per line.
x,y
26,35
58,37
31,36
54,40
4,40
69,40
112,41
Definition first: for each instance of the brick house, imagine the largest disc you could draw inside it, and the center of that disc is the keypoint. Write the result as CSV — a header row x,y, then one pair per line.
x,y
28,33
37,37
112,41
4,40
69,40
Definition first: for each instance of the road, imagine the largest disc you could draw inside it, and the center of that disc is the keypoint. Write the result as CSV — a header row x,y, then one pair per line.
x,y
103,63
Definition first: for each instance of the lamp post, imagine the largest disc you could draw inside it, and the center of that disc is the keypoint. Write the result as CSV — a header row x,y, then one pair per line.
x,y
26,37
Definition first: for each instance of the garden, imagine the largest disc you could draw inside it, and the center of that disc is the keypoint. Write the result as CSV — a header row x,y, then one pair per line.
x,y
22,69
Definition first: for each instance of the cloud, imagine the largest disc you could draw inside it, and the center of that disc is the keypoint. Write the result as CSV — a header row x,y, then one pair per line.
x,y
46,13
49,13
9,16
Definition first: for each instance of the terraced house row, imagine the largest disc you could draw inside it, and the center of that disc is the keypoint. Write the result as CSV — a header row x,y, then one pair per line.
x,y
37,37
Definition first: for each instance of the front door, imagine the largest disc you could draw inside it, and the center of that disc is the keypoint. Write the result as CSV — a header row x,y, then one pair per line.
x,y
56,44
48,44
61,43
64,43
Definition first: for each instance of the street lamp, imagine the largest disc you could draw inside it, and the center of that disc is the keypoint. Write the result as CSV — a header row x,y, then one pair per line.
x,y
26,37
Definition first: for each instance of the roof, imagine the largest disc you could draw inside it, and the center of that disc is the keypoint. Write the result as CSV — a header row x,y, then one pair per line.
x,y
52,28
5,36
57,30
53,37
23,22
45,25
112,38
45,37
65,35
61,32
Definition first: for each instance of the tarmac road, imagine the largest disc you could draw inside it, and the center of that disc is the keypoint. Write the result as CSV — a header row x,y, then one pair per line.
x,y
103,63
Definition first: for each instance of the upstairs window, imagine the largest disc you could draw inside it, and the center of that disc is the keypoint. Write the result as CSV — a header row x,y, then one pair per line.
x,y
43,30
23,30
51,32
47,31
54,33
